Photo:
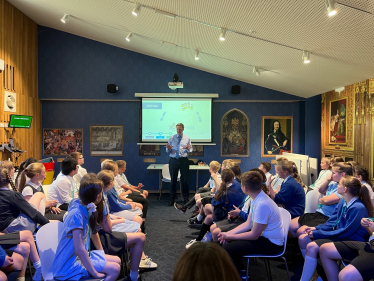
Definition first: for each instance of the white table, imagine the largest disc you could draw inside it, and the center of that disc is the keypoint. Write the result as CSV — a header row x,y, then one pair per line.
x,y
158,167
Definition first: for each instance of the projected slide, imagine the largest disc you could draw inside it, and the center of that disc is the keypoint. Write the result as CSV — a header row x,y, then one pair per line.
x,y
160,116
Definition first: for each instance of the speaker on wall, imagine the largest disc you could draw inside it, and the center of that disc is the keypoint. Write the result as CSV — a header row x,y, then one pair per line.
x,y
235,89
111,88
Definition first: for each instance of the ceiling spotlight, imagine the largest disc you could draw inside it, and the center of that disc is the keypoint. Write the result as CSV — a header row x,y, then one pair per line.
x,y
65,18
136,10
306,56
197,55
330,7
222,36
128,37
256,70
170,15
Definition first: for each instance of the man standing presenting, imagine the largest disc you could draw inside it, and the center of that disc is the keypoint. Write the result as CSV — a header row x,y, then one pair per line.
x,y
178,147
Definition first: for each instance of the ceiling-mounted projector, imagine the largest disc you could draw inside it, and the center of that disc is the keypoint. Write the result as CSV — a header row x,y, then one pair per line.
x,y
175,85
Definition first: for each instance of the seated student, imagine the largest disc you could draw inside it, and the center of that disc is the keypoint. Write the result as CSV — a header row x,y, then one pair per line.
x,y
327,203
23,244
262,232
343,225
127,196
359,255
276,181
16,213
10,168
22,166
197,217
203,262
117,208
124,183
36,173
265,167
323,174
239,215
81,171
74,259
202,192
291,194
119,224
65,188
225,198
362,173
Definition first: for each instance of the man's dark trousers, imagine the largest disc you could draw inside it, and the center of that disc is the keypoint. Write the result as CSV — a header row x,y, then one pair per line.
x,y
181,164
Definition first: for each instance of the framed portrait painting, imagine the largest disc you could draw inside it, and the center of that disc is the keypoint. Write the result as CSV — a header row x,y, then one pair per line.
x,y
337,121
234,134
276,136
106,140
62,141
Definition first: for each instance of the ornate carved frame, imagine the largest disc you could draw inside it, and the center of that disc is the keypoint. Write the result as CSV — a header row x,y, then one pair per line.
x,y
327,98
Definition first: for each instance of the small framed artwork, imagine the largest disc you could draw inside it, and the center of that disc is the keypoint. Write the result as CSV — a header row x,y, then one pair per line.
x,y
337,121
10,101
276,136
198,151
106,140
149,150
62,141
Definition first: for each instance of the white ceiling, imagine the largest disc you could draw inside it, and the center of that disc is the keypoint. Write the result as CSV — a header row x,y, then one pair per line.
x,y
341,46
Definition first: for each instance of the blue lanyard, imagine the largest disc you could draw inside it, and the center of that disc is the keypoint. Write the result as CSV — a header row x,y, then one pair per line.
x,y
319,177
242,204
340,217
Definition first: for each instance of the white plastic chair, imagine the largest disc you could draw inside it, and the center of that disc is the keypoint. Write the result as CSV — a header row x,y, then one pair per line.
x,y
167,178
286,219
311,201
47,239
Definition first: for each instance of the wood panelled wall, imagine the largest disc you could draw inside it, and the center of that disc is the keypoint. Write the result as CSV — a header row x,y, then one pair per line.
x,y
359,119
18,48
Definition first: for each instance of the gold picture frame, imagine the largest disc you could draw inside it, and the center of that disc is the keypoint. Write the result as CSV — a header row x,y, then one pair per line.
x,y
274,142
327,98
337,121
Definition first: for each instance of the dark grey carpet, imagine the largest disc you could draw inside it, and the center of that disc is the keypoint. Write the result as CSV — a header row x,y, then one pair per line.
x,y
167,234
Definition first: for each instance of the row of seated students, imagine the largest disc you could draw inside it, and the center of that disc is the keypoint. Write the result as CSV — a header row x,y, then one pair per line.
x,y
103,212
243,216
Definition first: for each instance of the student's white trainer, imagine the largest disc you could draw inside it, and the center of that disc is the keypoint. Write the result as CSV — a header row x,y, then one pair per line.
x,y
190,243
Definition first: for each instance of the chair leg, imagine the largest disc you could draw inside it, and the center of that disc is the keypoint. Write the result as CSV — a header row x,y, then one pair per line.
x,y
285,262
160,191
246,273
29,266
268,263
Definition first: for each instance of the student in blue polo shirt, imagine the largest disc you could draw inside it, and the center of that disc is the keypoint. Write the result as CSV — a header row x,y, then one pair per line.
x,y
291,195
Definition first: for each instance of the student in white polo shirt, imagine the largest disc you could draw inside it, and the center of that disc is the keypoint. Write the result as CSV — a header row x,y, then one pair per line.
x,y
262,232
65,188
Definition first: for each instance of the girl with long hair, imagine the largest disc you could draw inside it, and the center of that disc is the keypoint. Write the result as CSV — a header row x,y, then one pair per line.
x,y
74,259
223,201
327,204
362,173
343,224
35,172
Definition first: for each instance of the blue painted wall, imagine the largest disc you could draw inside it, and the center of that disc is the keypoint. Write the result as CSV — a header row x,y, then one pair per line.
x,y
72,67
313,127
